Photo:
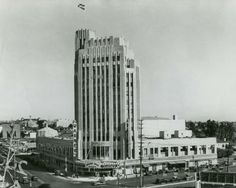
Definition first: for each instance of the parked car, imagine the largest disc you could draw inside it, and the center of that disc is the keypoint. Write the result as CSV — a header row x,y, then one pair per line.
x,y
101,181
175,178
147,173
57,172
45,185
34,178
97,183
189,178
161,180
24,180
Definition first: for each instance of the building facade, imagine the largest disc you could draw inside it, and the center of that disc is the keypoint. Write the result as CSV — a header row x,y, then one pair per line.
x,y
55,151
159,127
47,132
185,150
106,82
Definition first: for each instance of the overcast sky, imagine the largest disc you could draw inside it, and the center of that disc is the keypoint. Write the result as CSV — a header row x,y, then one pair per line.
x,y
186,50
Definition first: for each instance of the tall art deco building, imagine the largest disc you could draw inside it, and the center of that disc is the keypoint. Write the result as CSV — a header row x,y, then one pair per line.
x,y
107,103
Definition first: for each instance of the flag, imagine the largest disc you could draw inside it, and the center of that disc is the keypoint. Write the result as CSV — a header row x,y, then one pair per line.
x,y
81,6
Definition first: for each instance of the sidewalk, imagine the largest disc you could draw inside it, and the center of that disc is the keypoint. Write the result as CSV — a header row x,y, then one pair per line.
x,y
89,179
94,179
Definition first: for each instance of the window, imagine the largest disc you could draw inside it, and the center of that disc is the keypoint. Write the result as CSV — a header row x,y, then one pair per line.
x,y
119,155
145,151
114,154
102,59
151,150
98,151
94,60
118,57
102,151
113,58
107,58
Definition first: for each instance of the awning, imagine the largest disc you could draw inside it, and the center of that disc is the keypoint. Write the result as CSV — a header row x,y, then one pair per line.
x,y
146,165
176,162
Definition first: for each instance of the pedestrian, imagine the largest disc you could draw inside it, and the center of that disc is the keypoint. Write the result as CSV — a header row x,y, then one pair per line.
x,y
30,183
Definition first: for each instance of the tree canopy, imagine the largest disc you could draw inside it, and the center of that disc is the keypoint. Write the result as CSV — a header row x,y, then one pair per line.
x,y
221,130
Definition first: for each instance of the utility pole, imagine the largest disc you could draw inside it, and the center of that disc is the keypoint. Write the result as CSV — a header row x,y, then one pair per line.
x,y
141,152
66,165
228,154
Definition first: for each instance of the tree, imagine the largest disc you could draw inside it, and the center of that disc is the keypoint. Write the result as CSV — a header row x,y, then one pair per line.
x,y
228,151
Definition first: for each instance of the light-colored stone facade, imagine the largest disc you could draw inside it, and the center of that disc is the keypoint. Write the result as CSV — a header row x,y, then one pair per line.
x,y
106,80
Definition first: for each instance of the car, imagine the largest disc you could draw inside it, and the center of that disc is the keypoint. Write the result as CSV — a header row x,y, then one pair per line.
x,y
101,181
175,169
24,180
189,178
97,183
34,178
161,180
57,172
175,178
147,173
45,185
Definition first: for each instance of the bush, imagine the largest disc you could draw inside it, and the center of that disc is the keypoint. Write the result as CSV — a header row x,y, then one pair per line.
x,y
224,152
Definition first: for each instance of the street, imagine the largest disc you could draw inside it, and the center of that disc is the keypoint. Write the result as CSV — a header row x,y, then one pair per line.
x,y
61,182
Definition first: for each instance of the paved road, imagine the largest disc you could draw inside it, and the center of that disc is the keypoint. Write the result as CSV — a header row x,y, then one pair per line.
x,y
60,182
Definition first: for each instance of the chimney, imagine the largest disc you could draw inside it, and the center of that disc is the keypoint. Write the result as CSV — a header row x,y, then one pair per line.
x,y
175,117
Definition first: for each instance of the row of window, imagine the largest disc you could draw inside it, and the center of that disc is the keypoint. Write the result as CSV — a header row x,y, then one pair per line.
x,y
56,149
100,151
102,59
99,41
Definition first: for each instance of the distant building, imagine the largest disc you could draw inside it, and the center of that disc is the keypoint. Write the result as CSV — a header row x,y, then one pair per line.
x,y
47,132
223,145
63,122
32,135
25,146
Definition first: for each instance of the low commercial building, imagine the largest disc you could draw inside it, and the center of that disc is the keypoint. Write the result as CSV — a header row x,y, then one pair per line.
x,y
185,152
166,142
167,148
55,151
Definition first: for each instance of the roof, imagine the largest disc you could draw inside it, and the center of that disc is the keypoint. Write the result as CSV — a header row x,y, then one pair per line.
x,y
154,118
66,134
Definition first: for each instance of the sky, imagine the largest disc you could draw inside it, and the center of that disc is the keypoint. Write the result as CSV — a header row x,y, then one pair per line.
x,y
186,50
